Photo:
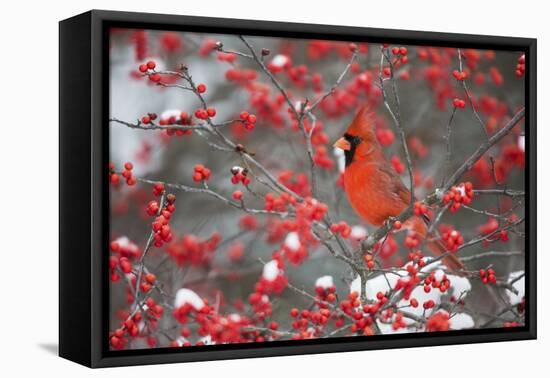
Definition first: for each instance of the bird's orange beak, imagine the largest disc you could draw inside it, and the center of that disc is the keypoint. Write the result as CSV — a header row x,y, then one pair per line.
x,y
343,144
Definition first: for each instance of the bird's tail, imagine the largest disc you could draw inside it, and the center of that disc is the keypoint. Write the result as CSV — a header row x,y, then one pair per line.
x,y
436,246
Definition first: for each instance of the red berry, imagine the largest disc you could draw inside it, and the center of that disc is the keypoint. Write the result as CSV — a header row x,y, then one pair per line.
x,y
114,178
201,88
151,278
251,118
151,65
143,68
128,166
125,265
238,195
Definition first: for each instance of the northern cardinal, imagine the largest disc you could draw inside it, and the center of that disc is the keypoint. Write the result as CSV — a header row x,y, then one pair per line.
x,y
373,188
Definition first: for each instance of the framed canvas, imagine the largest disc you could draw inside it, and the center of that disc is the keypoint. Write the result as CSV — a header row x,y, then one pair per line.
x,y
234,188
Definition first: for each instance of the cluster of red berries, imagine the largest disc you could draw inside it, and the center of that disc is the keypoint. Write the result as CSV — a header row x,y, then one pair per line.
x,y
127,174
418,262
147,119
432,282
239,174
401,53
248,120
274,203
161,226
397,164
205,113
420,209
341,228
191,251
184,119
488,276
460,75
322,158
520,67
364,317
428,304
398,321
309,322
438,322
459,103
385,136
113,176
408,284
369,261
412,240
261,305
226,57
125,248
241,76
145,67
311,209
297,182
158,189
148,281
453,239
325,294
201,173
113,263
272,285
459,195
496,76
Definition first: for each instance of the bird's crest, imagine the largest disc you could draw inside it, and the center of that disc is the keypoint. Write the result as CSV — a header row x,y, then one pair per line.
x,y
363,123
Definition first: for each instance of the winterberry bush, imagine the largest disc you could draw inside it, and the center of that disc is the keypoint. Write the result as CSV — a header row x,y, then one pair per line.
x,y
229,219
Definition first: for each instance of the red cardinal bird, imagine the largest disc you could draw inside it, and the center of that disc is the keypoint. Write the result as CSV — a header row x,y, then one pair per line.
x,y
374,189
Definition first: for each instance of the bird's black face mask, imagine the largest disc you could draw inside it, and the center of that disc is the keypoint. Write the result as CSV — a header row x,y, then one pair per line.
x,y
354,142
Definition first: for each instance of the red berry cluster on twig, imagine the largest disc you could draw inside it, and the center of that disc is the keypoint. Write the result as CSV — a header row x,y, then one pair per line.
x,y
453,239
127,174
520,67
459,103
248,120
487,276
459,195
460,75
161,225
239,175
201,173
341,228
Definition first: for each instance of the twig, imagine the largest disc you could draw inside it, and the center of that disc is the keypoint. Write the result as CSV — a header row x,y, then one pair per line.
x,y
469,96
396,116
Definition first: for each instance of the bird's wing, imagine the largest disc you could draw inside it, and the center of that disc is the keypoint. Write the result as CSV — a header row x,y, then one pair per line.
x,y
398,188
395,185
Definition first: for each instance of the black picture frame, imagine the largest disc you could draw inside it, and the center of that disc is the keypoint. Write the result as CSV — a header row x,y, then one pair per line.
x,y
84,193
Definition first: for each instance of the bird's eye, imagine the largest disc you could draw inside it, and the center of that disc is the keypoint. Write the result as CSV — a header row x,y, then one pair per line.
x,y
352,139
